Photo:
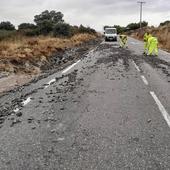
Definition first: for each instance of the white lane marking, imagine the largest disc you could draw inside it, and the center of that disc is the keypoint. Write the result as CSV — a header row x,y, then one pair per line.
x,y
137,68
60,139
93,49
16,110
70,67
25,102
161,108
49,83
144,80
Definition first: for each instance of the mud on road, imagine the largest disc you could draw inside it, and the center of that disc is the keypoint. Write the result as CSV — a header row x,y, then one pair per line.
x,y
57,62
97,116
61,58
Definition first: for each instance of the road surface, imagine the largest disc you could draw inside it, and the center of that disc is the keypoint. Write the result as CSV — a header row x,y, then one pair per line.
x,y
106,111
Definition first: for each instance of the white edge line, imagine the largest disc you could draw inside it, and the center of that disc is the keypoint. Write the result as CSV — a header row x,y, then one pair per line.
x,y
16,110
145,80
137,68
49,83
161,108
70,67
46,86
25,102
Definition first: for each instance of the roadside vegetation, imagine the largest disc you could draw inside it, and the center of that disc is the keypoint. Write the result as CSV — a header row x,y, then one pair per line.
x,y
35,43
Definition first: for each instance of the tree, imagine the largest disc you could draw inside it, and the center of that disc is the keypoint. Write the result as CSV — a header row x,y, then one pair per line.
x,y
164,23
144,24
52,16
106,26
7,26
47,20
120,29
25,26
133,26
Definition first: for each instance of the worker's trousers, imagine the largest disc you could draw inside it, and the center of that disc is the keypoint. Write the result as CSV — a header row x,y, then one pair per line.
x,y
145,47
153,49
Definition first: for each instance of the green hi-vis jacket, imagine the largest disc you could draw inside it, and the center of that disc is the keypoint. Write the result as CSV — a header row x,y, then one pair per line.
x,y
146,37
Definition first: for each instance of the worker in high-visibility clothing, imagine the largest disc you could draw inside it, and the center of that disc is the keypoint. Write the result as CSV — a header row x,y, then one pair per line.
x,y
152,46
123,41
147,35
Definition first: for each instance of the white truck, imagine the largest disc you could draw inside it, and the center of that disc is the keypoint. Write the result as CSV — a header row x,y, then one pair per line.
x,y
110,34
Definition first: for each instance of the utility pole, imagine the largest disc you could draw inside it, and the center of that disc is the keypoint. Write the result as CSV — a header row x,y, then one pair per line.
x,y
141,10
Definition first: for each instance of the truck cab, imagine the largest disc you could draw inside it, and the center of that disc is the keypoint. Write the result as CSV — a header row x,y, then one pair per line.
x,y
110,34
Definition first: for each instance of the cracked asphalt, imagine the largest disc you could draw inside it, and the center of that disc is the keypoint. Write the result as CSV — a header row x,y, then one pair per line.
x,y
109,110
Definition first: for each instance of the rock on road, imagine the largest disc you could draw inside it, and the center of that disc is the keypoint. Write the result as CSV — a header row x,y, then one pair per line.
x,y
109,110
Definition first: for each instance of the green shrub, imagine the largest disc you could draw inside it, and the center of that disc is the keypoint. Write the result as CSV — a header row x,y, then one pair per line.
x,y
31,32
4,34
25,26
62,29
89,30
74,30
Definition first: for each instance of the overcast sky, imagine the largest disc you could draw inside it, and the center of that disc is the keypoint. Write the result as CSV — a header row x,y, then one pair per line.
x,y
94,13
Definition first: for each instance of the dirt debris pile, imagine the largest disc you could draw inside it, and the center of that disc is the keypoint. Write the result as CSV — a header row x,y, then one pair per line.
x,y
28,55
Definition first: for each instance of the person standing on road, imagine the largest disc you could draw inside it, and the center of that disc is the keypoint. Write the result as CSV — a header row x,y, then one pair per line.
x,y
152,46
123,41
147,35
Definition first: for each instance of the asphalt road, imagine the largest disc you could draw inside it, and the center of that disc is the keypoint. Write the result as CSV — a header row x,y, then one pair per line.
x,y
107,111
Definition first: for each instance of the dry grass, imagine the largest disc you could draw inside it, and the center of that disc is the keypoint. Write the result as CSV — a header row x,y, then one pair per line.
x,y
162,33
23,50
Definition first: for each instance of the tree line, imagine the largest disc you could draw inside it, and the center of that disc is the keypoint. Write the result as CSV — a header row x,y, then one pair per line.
x,y
129,27
134,26
47,23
